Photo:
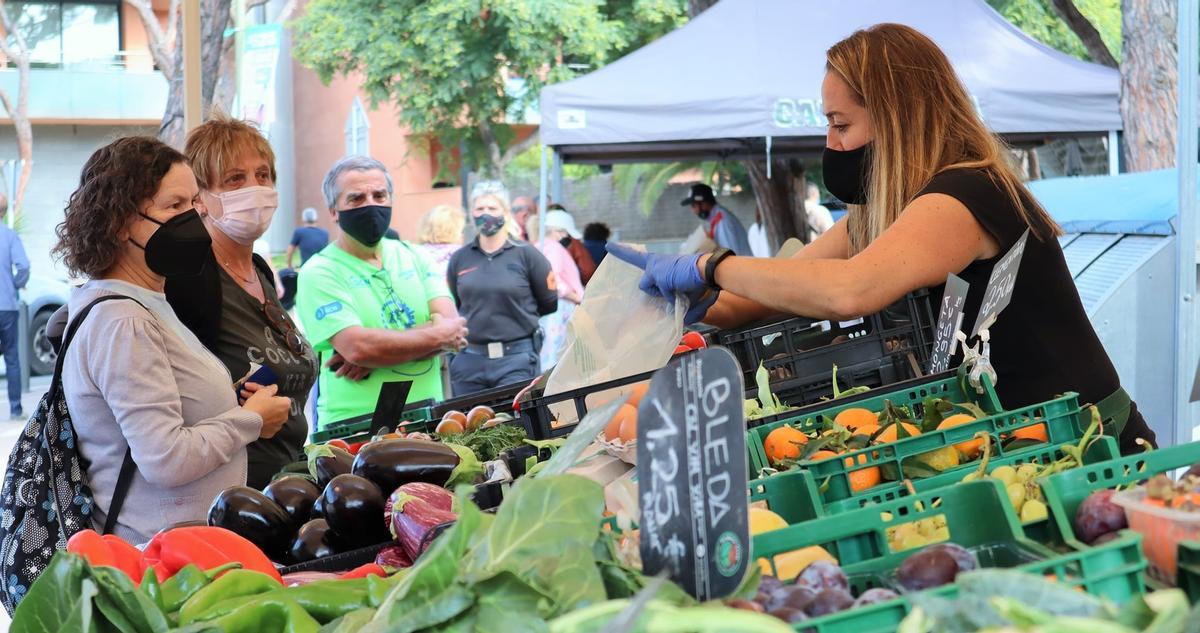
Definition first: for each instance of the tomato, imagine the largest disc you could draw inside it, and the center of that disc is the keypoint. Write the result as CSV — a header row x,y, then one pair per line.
x,y
681,349
356,447
694,340
342,444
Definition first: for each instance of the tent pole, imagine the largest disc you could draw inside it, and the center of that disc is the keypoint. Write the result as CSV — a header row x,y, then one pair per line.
x,y
543,183
1114,153
768,158
1185,238
556,176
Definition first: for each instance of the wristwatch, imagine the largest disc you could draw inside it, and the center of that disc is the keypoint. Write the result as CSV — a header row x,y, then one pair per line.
x,y
710,267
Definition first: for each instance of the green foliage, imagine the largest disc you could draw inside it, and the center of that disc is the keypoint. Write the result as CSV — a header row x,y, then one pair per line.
x,y
445,64
648,181
1039,20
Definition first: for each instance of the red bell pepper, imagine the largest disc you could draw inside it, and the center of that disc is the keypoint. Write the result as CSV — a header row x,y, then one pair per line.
x,y
362,571
206,547
108,551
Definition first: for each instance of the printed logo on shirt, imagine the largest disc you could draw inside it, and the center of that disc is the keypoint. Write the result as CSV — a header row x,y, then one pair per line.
x,y
354,281
397,313
408,274
328,309
467,270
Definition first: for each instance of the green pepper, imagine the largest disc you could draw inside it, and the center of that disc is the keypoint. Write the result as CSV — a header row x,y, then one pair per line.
x,y
150,587
187,581
235,583
325,600
275,614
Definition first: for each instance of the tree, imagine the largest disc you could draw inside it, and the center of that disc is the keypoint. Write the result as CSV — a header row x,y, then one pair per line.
x,y
16,51
164,47
457,69
1148,66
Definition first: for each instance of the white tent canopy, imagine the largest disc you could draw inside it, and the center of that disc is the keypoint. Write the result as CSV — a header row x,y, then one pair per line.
x,y
746,71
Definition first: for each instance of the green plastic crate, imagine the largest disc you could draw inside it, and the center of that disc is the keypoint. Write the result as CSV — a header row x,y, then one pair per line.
x,y
415,420
1066,490
908,394
1188,570
979,519
795,495
1063,418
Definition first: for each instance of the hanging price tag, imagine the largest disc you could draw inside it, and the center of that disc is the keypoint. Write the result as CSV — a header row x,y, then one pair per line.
x,y
692,474
1000,285
950,318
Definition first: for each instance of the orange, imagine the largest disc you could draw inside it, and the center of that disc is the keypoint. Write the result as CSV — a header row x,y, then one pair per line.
x,y
819,455
620,426
867,430
855,417
784,443
637,392
863,478
889,433
1036,432
970,449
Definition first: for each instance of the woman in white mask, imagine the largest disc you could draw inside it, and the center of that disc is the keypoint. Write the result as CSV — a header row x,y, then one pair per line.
x,y
232,305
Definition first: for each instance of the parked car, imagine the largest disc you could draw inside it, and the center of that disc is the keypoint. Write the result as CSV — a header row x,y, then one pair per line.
x,y
43,295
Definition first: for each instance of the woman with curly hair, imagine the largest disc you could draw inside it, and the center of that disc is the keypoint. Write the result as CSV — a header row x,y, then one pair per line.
x,y
141,386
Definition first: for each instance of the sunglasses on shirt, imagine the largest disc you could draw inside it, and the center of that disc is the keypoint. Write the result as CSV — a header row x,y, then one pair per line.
x,y
278,320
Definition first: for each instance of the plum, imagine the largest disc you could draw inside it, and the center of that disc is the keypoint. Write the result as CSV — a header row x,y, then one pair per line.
x,y
962,556
769,583
878,594
927,569
788,615
823,574
1098,515
799,597
830,601
746,605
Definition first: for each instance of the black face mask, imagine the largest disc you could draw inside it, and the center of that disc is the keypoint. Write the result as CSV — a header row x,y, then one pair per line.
x,y
180,247
566,241
367,224
846,174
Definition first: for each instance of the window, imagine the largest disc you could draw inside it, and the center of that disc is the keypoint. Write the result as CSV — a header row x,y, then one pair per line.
x,y
357,130
69,34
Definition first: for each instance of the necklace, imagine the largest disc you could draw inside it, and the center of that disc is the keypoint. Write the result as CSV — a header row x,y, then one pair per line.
x,y
229,268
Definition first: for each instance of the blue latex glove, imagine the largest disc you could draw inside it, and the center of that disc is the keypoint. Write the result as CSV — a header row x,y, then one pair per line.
x,y
669,275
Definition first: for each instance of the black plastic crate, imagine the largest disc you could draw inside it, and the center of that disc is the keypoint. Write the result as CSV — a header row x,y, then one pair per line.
x,y
344,561
537,418
800,349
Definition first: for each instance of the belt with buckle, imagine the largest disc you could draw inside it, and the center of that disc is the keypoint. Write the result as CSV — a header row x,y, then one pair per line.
x,y
501,349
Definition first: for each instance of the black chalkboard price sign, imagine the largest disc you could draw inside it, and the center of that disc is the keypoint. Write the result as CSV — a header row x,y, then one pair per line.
x,y
692,474
950,318
1000,286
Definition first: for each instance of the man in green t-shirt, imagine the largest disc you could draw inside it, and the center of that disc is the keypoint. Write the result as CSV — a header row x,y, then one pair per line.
x,y
373,309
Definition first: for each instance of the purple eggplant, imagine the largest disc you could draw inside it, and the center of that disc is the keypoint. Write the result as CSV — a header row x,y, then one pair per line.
x,y
415,522
260,520
353,508
311,542
392,463
326,462
296,495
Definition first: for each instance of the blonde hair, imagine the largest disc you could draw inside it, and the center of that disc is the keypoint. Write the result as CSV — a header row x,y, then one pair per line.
x,y
217,141
442,224
924,123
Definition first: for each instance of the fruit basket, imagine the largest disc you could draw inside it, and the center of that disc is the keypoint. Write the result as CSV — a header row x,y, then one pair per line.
x,y
976,518
1162,529
1065,491
911,394
800,350
796,495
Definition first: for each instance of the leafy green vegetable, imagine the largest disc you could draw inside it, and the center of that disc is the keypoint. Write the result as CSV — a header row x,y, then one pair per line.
x,y
469,468
487,444
70,595
768,403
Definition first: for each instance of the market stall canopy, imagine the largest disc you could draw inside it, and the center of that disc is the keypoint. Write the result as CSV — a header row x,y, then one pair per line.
x,y
746,71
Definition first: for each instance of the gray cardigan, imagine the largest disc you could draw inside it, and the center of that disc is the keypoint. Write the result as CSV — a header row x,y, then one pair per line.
x,y
136,377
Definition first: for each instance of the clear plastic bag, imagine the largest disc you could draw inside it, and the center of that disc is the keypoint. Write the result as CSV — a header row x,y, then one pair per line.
x,y
617,331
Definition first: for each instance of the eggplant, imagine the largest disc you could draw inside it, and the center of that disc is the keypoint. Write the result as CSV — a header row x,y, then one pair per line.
x,y
318,509
415,522
296,495
392,463
353,508
311,542
251,514
326,462
393,556
435,496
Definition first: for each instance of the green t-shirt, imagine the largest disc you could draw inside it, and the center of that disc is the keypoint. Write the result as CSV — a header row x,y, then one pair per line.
x,y
337,290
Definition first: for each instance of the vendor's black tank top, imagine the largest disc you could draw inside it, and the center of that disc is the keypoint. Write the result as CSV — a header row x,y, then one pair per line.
x,y
1042,344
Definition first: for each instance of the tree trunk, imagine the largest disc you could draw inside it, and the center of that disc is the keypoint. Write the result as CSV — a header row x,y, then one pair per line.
x,y
214,16
227,86
696,7
15,50
1086,32
780,199
1149,83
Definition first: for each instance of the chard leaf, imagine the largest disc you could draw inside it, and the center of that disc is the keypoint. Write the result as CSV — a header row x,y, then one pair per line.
x,y
763,380
543,533
469,468
506,603
60,599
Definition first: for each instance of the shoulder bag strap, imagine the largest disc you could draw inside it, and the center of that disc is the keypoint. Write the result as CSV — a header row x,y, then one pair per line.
x,y
125,477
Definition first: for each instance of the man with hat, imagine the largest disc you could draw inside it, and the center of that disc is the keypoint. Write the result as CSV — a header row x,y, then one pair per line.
x,y
721,225
560,226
